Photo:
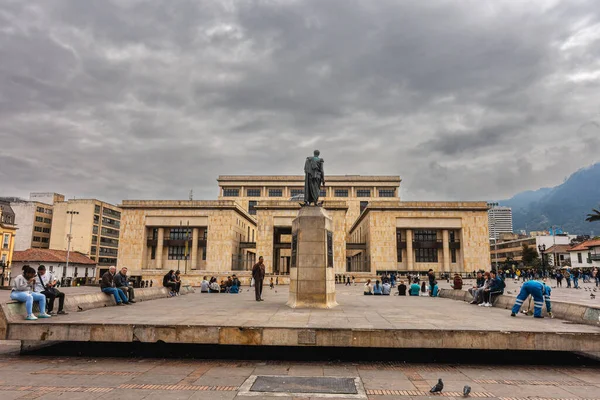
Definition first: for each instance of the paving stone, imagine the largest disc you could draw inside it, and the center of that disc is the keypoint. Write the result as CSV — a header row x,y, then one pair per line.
x,y
306,370
126,394
155,379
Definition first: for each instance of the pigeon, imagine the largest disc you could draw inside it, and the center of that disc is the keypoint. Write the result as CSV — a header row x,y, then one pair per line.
x,y
438,387
592,296
466,391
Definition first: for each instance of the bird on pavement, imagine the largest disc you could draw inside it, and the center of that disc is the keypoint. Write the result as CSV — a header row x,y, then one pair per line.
x,y
466,391
592,296
438,387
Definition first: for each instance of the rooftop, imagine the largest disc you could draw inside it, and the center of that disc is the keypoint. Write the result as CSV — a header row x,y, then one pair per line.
x,y
300,178
51,256
586,245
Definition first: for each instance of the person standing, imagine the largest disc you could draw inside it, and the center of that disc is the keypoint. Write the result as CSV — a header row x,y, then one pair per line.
x,y
258,274
45,284
122,282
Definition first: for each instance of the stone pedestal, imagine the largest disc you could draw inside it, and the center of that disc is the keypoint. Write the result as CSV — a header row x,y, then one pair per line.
x,y
312,278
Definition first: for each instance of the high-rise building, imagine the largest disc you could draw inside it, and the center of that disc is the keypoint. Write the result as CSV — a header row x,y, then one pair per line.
x,y
34,220
499,221
93,226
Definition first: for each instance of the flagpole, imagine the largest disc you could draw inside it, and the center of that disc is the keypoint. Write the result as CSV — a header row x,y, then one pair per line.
x,y
180,225
187,246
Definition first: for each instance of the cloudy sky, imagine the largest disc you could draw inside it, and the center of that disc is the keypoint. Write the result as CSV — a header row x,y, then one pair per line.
x,y
135,99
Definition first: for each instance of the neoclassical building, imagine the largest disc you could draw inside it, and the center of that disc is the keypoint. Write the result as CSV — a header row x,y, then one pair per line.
x,y
374,231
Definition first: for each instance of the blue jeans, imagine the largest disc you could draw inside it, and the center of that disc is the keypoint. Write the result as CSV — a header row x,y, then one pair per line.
x,y
576,282
118,293
28,299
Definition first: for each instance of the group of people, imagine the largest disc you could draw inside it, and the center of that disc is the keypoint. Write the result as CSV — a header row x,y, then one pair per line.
x,y
117,284
487,285
389,281
231,285
40,287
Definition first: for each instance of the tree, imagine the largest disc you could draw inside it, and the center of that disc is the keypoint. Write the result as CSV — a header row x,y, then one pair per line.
x,y
530,255
595,216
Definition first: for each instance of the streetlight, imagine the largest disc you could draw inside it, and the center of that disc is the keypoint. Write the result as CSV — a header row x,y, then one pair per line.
x,y
69,241
542,249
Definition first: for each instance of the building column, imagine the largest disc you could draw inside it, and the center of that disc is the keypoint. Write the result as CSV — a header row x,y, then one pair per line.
x,y
159,248
194,248
410,265
446,250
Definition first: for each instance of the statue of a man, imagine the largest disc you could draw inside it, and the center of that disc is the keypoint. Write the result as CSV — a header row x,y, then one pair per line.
x,y
314,177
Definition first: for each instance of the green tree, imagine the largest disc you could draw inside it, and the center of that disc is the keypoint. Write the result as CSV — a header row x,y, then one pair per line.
x,y
530,255
595,216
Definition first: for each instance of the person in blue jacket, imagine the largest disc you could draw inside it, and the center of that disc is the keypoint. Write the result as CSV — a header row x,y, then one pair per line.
x,y
540,293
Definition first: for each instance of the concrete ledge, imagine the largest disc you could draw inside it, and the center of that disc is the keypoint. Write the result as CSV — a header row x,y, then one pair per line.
x,y
568,311
15,311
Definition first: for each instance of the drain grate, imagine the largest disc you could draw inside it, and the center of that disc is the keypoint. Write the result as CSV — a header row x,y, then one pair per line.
x,y
301,384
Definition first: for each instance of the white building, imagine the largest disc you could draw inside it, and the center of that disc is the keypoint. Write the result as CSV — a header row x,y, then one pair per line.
x,y
586,254
80,266
499,221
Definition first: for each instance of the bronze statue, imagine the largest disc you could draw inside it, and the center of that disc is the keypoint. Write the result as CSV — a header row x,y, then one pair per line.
x,y
313,179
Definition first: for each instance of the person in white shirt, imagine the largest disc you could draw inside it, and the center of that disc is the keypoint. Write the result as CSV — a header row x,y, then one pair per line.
x,y
368,288
386,288
45,284
204,286
22,291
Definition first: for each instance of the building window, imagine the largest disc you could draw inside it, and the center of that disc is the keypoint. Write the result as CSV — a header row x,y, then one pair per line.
x,y
204,254
231,192
452,237
110,221
109,242
39,219
35,239
297,192
46,230
40,209
561,257
205,234
453,256
94,239
425,236
253,192
111,213
104,251
363,205
109,232
153,253
323,193
363,193
387,192
37,228
45,240
180,234
47,221
341,193
251,207
275,192
154,233
96,219
96,209
95,230
426,255
579,258
177,253
93,250
6,241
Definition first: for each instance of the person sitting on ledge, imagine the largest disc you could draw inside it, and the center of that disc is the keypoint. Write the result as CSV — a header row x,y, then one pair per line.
x,y
234,288
45,283
496,287
457,283
377,289
387,288
423,287
204,286
170,282
122,283
214,286
368,291
401,289
22,291
473,291
414,288
435,290
107,285
236,281
178,282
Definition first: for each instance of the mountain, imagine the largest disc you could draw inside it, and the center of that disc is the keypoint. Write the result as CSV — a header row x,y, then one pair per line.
x,y
565,205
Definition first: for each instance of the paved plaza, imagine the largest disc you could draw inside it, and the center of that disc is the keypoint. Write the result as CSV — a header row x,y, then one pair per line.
x,y
35,377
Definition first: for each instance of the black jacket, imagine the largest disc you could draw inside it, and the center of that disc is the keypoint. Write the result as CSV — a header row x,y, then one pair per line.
x,y
120,280
107,280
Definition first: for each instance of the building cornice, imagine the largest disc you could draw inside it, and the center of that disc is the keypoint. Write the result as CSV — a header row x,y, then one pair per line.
x,y
189,205
295,205
300,178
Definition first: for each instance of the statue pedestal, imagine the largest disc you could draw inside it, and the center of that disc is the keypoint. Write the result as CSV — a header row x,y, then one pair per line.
x,y
312,278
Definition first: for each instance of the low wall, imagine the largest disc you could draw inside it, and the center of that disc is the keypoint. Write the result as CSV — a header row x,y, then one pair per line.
x,y
568,311
15,311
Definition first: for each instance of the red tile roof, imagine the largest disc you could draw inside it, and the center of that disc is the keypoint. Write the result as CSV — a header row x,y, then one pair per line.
x,y
49,256
586,245
558,248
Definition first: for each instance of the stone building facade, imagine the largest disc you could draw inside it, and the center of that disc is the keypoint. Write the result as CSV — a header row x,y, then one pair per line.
x,y
373,230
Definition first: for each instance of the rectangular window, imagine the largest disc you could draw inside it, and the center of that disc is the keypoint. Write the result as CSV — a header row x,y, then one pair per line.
x,y
95,230
205,234
341,193
35,239
40,209
97,209
154,233
45,240
109,242
180,233
275,192
109,232
231,192
46,230
108,252
6,241
204,254
297,192
47,220
363,205
94,239
452,237
426,255
48,211
177,253
96,219
251,207
37,228
253,192
363,193
153,253
110,221
93,250
399,255
387,192
39,219
453,256
323,193
579,258
425,236
111,213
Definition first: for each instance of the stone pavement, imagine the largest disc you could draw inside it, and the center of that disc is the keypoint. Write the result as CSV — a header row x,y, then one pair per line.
x,y
35,377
